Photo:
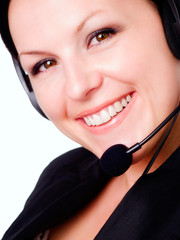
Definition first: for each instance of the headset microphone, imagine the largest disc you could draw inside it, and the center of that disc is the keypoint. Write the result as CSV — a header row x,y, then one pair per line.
x,y
118,158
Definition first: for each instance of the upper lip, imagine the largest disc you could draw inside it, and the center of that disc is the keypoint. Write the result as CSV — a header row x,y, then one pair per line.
x,y
100,107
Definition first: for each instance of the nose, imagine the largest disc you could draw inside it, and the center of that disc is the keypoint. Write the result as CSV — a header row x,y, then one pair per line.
x,y
81,80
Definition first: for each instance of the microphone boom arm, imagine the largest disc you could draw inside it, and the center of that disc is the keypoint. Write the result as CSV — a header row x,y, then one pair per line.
x,y
137,146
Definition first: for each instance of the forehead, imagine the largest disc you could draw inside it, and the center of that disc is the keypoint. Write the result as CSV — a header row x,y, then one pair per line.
x,y
33,20
64,11
61,10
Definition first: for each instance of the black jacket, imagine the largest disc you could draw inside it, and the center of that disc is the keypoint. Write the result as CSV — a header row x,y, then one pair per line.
x,y
149,211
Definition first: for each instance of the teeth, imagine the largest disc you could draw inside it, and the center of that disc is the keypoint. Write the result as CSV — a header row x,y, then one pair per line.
x,y
97,120
112,111
87,121
124,102
128,98
91,121
105,115
118,106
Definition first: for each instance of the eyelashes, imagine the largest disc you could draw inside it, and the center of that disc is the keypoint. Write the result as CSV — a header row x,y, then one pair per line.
x,y
94,39
43,65
100,36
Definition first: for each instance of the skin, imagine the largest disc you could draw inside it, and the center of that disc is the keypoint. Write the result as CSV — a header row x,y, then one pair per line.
x,y
86,76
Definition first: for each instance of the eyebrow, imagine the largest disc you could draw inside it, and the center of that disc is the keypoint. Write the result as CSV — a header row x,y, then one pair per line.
x,y
34,52
78,29
83,23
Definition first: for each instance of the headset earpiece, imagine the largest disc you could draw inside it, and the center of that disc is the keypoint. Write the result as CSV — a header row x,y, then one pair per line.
x,y
170,13
24,79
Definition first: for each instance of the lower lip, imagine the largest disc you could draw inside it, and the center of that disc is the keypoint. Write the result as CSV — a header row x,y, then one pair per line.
x,y
118,119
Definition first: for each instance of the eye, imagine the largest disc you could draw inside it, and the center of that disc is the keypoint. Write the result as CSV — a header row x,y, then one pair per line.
x,y
100,36
43,66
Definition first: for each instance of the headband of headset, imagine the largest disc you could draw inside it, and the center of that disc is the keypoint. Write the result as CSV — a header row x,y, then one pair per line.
x,y
170,14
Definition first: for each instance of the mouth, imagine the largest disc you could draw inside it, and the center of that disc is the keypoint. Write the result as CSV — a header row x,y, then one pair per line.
x,y
108,113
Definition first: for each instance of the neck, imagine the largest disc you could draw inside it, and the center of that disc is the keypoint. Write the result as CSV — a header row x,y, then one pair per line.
x,y
173,141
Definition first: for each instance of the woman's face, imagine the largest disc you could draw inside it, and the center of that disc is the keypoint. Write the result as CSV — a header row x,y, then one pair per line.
x,y
88,59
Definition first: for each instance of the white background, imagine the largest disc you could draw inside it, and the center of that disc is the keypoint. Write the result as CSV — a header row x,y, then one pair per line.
x,y
27,143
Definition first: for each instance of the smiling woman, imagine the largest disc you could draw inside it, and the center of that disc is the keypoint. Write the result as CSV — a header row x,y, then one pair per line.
x,y
105,73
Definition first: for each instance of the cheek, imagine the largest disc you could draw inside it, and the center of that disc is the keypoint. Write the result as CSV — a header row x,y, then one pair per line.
x,y
127,60
123,64
52,101
149,71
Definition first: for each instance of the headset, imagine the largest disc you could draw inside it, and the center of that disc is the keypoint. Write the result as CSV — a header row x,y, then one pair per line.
x,y
25,81
170,14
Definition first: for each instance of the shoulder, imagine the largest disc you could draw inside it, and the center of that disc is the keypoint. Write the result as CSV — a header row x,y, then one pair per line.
x,y
67,184
68,161
66,167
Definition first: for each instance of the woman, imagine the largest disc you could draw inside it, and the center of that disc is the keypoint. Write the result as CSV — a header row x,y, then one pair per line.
x,y
104,74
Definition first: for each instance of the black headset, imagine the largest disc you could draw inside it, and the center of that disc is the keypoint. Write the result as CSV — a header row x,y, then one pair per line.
x,y
170,14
